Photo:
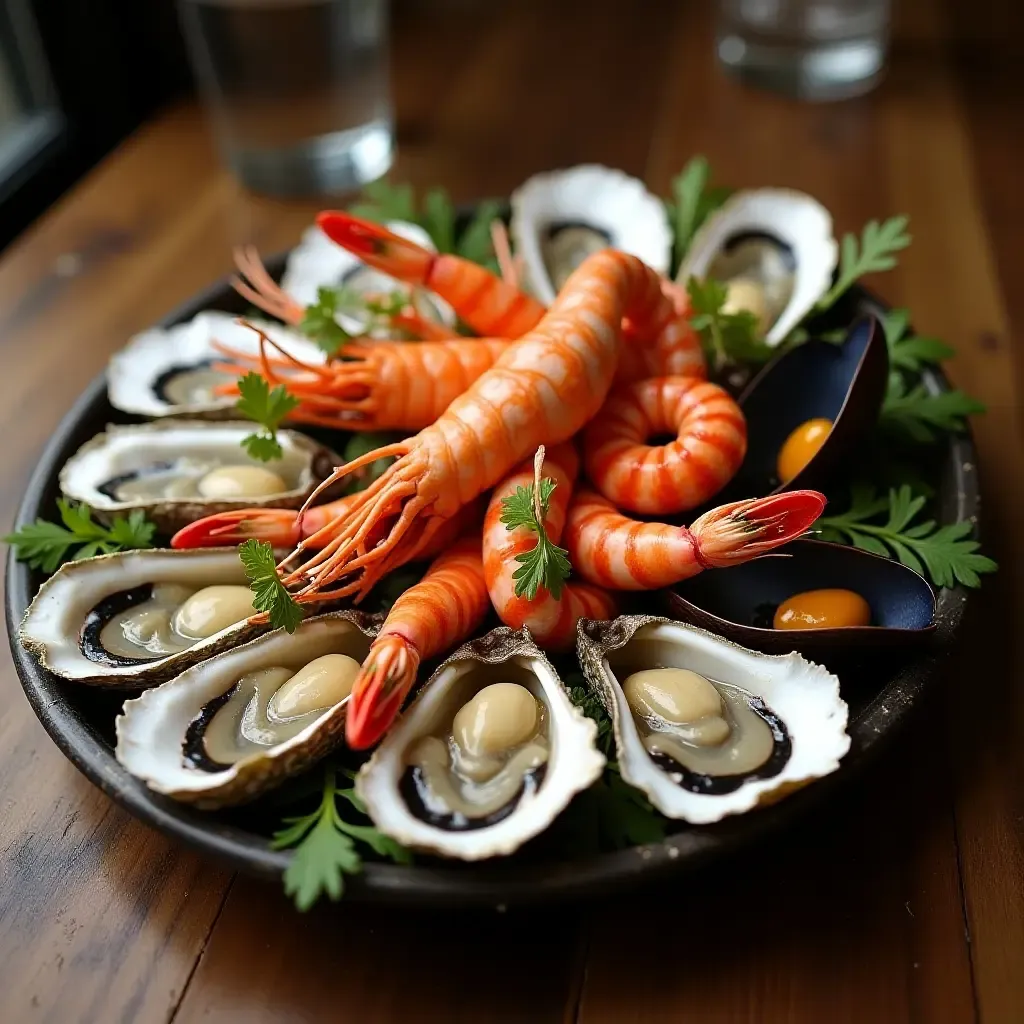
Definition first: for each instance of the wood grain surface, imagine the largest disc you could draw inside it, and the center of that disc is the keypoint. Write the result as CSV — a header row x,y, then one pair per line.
x,y
905,900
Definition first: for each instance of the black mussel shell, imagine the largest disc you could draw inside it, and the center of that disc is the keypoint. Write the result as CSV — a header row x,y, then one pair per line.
x,y
739,602
843,383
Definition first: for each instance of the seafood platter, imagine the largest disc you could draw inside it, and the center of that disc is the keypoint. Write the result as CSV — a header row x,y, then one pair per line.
x,y
498,554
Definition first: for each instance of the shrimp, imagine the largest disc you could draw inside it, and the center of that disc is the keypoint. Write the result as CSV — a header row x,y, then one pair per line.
x,y
437,613
378,385
541,391
551,621
711,440
611,550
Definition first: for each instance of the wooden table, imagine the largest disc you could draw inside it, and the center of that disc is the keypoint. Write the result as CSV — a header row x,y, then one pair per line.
x,y
905,903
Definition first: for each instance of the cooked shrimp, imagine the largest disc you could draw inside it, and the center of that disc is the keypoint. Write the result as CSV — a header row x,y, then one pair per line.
x,y
710,442
541,391
551,621
437,613
611,550
378,385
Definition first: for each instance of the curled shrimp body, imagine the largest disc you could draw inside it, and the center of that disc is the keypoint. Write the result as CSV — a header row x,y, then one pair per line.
x,y
551,621
710,442
437,613
541,391
614,551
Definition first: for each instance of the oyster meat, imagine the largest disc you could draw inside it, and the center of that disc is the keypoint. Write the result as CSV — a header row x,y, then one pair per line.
x,y
775,252
232,727
180,470
561,217
706,728
169,371
136,618
317,262
491,751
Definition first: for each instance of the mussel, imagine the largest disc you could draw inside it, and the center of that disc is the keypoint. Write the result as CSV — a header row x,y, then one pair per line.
x,y
706,728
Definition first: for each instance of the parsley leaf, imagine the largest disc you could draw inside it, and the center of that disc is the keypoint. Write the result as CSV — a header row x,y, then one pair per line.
x,y
914,352
266,407
726,337
320,324
921,414
475,241
270,594
590,704
692,201
945,553
383,201
44,545
545,564
873,252
325,847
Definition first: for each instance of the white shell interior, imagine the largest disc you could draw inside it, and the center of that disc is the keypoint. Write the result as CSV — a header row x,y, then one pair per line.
x,y
133,370
123,449
797,220
53,623
607,199
804,695
151,728
317,262
573,765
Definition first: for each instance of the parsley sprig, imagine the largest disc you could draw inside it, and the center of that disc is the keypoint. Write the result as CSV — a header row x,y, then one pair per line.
x,y
270,594
268,408
873,252
44,545
545,564
320,321
325,846
911,352
691,204
945,553
727,338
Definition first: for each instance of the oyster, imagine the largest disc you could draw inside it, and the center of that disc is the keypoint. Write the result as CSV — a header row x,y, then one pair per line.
x,y
490,752
228,729
317,262
180,470
139,617
168,371
561,217
775,251
732,730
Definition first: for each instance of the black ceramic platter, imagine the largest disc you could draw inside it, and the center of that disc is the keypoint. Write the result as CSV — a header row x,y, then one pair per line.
x,y
80,720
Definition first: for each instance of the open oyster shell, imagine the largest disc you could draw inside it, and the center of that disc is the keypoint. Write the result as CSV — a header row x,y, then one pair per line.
x,y
162,468
167,371
54,628
798,700
155,732
777,248
561,217
573,760
316,262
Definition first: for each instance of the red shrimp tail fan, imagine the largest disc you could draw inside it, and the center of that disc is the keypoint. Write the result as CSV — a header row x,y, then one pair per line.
x,y
743,530
280,527
376,246
379,690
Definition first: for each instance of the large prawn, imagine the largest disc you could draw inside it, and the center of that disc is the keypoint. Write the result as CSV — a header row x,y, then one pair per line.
x,y
543,389
551,621
432,616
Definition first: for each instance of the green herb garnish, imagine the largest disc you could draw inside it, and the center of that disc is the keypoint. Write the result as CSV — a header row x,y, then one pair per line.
x,y
545,564
269,594
921,415
726,337
911,353
266,407
325,846
945,553
691,204
320,324
44,545
872,253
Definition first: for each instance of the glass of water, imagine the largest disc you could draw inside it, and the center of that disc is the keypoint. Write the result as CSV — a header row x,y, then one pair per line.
x,y
814,49
297,89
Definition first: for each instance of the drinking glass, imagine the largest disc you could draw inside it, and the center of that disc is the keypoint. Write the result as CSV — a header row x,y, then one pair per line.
x,y
297,89
814,49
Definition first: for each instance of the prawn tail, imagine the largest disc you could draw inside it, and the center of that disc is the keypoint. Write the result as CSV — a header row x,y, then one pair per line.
x,y
278,526
381,687
378,247
742,530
